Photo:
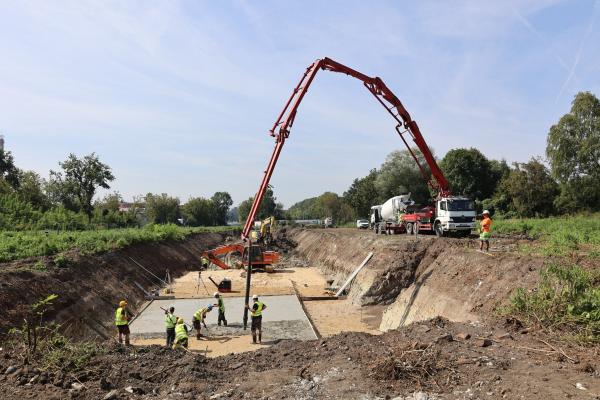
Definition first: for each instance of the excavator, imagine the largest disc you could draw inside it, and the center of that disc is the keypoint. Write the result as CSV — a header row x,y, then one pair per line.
x,y
265,233
281,131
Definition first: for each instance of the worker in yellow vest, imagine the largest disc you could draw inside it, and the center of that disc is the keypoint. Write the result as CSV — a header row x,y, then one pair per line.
x,y
256,314
122,318
181,334
170,322
198,319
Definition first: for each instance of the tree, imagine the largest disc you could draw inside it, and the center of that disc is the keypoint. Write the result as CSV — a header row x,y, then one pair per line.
x,y
110,202
268,206
8,171
81,177
573,149
221,202
162,209
399,174
530,189
470,173
31,189
362,194
199,212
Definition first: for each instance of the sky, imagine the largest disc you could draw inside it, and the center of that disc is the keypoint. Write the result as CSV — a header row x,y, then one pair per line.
x,y
178,96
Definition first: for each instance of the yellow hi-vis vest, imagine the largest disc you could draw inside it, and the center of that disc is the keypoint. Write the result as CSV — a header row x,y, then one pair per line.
x,y
119,317
170,321
200,313
259,308
180,332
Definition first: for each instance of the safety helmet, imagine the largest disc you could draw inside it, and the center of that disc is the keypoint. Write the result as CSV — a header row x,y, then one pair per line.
x,y
255,297
122,303
486,212
216,294
209,307
179,320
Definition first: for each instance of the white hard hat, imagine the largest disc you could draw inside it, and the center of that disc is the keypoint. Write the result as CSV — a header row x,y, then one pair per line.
x,y
486,212
216,294
255,297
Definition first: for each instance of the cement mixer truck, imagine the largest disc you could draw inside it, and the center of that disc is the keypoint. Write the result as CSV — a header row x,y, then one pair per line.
x,y
386,218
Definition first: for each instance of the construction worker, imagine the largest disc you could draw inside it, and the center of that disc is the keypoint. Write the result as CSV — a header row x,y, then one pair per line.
x,y
485,231
198,319
122,317
221,304
256,314
181,334
170,322
204,262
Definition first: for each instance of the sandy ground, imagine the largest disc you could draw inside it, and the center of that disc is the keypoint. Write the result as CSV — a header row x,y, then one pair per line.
x,y
213,347
309,281
335,316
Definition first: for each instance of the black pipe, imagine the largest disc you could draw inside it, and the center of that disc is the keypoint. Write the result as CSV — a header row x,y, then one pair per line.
x,y
248,274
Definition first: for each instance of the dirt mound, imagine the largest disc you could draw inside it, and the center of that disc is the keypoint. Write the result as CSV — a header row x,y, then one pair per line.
x,y
437,357
90,286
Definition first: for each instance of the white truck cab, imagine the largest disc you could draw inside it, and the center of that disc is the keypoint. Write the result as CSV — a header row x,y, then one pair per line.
x,y
454,214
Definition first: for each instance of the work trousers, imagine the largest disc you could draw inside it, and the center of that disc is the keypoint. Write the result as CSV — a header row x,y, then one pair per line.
x,y
170,337
222,318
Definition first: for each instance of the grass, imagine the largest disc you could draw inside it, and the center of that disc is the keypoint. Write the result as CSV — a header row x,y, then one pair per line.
x,y
19,245
557,235
567,299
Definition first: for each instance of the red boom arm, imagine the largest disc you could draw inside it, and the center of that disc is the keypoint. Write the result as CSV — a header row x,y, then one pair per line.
x,y
281,129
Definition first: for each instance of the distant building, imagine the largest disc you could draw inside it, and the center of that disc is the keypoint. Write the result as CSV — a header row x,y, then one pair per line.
x,y
1,142
126,206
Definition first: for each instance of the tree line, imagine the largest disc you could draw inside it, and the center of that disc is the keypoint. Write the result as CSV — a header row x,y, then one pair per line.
x,y
66,200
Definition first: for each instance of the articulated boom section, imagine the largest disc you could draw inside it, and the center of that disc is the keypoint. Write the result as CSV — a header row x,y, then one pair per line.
x,y
282,126
258,257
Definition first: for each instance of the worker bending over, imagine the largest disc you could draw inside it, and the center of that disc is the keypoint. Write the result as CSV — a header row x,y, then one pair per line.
x,y
198,319
256,314
485,231
181,334
170,322
122,318
221,304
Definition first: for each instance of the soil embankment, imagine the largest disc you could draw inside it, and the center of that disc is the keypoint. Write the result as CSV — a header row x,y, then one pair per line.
x,y
419,278
89,287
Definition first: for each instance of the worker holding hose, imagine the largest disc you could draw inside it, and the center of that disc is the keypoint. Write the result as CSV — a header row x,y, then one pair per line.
x,y
485,232
256,314
198,319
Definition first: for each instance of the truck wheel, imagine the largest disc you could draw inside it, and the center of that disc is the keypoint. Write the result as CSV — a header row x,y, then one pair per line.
x,y
409,229
439,232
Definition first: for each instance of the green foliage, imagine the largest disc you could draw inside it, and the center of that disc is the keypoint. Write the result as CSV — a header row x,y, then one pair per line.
x,y
558,235
221,201
80,179
8,171
567,297
198,212
399,174
573,148
31,190
326,205
362,194
18,245
162,209
40,266
530,189
268,207
470,173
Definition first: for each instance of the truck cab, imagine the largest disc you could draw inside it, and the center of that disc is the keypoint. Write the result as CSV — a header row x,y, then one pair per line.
x,y
456,215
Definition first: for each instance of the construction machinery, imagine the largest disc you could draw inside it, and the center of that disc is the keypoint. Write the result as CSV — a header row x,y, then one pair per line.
x,y
405,127
264,233
259,258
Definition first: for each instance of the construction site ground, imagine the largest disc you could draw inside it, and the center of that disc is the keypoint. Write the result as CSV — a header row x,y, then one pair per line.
x,y
423,320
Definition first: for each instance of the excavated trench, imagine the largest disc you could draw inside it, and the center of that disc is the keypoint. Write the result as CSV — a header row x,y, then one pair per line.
x,y
418,278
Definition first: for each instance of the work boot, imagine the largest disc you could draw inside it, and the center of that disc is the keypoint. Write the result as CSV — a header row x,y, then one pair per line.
x,y
224,322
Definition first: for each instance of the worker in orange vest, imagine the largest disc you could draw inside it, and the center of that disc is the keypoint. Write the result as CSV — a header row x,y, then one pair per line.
x,y
486,231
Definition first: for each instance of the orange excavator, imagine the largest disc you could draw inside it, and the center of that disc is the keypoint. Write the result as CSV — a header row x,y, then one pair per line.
x,y
281,131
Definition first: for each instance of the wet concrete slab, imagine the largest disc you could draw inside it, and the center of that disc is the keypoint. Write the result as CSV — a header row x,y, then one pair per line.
x,y
284,315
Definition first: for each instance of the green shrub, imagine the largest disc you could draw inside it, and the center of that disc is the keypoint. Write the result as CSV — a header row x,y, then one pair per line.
x,y
567,298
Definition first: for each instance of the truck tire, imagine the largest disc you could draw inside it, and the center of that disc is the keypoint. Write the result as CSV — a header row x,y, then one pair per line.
x,y
409,228
439,232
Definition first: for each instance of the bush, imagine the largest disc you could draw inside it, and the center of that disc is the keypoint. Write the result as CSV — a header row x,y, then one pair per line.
x,y
567,298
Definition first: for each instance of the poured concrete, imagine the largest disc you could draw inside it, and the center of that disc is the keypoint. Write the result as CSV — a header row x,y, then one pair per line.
x,y
284,316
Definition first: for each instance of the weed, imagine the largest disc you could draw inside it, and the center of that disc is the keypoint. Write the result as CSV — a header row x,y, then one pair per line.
x,y
567,298
40,266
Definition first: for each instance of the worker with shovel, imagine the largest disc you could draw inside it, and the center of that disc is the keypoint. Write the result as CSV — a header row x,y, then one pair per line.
x,y
198,319
485,231
221,304
181,334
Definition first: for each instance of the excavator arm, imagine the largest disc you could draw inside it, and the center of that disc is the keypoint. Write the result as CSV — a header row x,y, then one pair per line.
x,y
212,255
405,125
